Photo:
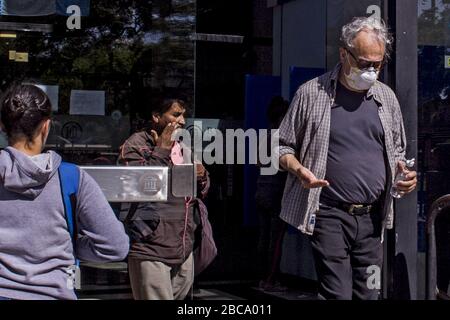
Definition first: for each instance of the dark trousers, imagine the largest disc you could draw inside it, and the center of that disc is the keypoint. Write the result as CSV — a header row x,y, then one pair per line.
x,y
345,248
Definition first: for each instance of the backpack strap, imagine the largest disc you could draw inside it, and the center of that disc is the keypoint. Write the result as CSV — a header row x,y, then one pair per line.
x,y
69,178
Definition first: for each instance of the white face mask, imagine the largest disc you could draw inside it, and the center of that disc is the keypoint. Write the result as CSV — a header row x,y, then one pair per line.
x,y
362,80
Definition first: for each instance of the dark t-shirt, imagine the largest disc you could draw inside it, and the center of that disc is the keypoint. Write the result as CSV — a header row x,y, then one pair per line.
x,y
356,167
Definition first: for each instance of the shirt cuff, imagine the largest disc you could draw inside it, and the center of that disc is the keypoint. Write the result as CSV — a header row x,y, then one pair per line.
x,y
280,152
284,150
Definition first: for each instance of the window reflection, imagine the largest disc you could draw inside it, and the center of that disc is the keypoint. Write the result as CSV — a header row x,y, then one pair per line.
x,y
128,49
434,90
434,122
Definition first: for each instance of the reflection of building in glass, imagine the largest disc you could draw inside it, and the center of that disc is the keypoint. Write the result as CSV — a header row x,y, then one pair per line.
x,y
126,49
434,100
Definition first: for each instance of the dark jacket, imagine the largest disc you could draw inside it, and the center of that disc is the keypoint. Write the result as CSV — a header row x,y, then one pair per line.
x,y
162,231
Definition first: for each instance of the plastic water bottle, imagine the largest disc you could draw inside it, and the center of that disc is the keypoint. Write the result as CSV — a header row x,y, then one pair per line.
x,y
400,177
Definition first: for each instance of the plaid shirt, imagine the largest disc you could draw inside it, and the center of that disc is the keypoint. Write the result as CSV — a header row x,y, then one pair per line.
x,y
305,133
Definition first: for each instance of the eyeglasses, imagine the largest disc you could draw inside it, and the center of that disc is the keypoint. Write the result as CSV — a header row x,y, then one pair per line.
x,y
364,64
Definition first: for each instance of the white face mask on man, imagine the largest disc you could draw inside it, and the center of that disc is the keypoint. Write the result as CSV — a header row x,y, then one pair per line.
x,y
362,80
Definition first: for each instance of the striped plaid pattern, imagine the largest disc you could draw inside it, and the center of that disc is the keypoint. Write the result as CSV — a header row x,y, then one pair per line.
x,y
305,133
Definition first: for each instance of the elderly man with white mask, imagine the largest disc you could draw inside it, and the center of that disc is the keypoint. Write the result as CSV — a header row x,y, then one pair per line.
x,y
343,143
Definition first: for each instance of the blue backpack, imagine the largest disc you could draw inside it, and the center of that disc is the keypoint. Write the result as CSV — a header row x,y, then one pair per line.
x,y
69,177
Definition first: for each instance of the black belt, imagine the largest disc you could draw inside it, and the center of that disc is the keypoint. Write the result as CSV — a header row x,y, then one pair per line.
x,y
353,209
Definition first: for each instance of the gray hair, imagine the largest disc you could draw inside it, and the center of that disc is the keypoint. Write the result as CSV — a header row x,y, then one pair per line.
x,y
377,26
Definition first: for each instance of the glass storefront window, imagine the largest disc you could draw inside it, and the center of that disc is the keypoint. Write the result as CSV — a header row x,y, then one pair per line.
x,y
104,76
434,100
434,123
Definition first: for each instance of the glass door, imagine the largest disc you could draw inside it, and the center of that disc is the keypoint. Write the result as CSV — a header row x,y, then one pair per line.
x,y
434,120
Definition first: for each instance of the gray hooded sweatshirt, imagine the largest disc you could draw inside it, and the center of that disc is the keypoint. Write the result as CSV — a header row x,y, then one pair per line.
x,y
36,252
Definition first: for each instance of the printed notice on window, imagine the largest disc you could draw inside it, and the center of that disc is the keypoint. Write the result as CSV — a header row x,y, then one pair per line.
x,y
84,102
447,62
52,93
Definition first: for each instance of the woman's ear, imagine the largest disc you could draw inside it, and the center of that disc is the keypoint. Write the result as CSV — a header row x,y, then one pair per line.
x,y
46,126
45,132
155,118
44,129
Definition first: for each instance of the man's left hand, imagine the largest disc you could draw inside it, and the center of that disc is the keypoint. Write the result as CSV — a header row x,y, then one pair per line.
x,y
409,183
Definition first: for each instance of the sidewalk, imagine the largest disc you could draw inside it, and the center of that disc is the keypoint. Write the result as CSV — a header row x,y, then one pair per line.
x,y
110,282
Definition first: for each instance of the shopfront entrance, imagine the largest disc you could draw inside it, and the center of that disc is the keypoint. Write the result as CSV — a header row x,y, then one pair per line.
x,y
126,52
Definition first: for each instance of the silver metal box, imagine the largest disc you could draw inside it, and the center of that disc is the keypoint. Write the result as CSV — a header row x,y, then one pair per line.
x,y
131,184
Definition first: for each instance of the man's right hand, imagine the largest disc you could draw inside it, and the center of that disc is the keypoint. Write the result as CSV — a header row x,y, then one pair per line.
x,y
165,140
309,180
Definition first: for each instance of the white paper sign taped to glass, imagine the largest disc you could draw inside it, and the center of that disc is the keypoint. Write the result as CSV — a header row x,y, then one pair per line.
x,y
84,102
52,93
447,62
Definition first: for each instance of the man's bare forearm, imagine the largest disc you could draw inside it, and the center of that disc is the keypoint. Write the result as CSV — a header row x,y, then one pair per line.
x,y
290,163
